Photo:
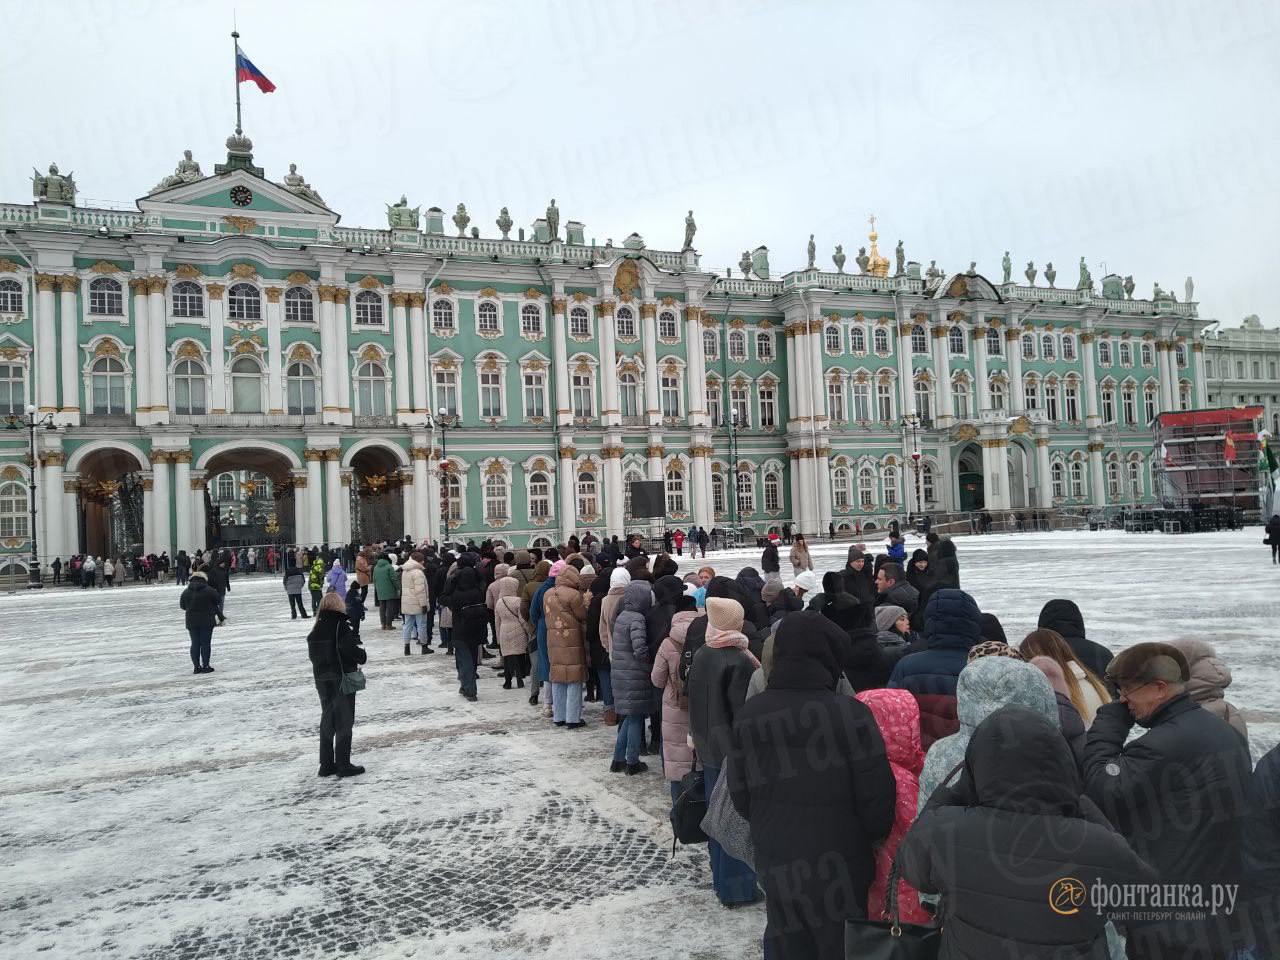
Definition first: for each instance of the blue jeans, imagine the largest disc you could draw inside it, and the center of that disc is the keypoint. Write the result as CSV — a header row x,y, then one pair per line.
x,y
413,628
606,686
201,640
566,702
630,733
733,881
464,656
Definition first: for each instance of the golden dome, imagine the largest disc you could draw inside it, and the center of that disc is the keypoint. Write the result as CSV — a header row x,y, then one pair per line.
x,y
877,265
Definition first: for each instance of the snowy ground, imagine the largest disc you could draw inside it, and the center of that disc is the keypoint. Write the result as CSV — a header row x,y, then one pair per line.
x,y
149,813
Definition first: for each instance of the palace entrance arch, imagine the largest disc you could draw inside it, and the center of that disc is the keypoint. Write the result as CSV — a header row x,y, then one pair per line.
x,y
248,496
110,512
377,493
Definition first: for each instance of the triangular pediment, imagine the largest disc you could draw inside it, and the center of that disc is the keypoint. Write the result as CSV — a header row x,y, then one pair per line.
x,y
257,198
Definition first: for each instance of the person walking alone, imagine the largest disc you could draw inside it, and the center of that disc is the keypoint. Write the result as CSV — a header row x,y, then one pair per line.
x,y
200,601
294,581
800,559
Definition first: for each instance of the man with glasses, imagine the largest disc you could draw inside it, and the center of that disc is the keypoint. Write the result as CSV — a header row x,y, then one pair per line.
x,y
1176,793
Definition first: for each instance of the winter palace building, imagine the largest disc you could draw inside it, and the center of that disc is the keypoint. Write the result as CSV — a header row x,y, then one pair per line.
x,y
230,364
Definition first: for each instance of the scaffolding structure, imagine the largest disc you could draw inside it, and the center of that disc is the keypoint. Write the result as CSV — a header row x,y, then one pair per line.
x,y
1207,460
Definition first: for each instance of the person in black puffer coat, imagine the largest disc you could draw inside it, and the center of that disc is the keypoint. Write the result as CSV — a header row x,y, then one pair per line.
x,y
925,582
769,560
598,656
810,775
994,843
464,596
753,588
1064,617
1261,859
857,577
945,565
334,650
861,657
202,605
632,661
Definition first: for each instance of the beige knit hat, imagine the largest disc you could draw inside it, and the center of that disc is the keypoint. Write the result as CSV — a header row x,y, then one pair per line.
x,y
724,614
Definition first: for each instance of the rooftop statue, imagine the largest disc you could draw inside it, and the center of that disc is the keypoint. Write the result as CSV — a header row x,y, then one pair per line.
x,y
744,264
813,253
1007,266
900,258
401,215
838,258
461,218
1086,278
933,273
54,187
690,228
1128,287
504,222
862,260
1189,288
294,183
973,268
553,220
188,171
1030,273
1050,274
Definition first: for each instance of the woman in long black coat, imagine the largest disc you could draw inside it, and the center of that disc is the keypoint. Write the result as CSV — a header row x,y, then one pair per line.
x,y
334,649
464,596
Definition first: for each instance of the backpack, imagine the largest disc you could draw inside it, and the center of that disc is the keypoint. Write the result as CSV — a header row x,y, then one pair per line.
x,y
689,810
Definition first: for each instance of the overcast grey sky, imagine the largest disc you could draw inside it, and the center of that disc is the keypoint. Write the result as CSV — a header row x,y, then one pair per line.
x,y
1142,135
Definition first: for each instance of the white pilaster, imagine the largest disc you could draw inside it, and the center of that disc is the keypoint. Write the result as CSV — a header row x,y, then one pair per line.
x,y
1197,359
697,367
702,506
275,352
1013,345
560,360
142,352
433,502
813,375
410,507
400,360
315,498
158,360
182,493
301,533
978,344
1097,483
148,514
160,503
906,372
199,514
609,415
54,543
46,359
342,358
1168,381
329,365
567,485
942,368
217,355
333,498
648,313
615,522
422,498
418,365
1044,483
822,467
1087,360
69,325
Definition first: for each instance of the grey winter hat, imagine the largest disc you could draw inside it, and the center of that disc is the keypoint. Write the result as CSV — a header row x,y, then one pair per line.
x,y
1148,662
886,615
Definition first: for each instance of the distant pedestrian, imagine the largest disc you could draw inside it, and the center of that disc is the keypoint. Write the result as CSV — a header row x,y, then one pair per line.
x,y
294,581
336,579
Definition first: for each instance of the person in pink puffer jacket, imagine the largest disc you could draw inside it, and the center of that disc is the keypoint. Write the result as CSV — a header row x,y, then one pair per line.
x,y
677,755
898,716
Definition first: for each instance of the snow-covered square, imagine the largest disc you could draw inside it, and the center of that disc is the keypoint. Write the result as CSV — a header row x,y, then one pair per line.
x,y
149,813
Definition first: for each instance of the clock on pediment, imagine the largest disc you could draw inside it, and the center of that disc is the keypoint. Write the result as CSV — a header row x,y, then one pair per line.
x,y
241,195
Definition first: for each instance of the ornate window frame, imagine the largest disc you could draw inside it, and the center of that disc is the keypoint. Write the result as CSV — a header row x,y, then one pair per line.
x,y
495,467
492,361
188,350
93,351
529,468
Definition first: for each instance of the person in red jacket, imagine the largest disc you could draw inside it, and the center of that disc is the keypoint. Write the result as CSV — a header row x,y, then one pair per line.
x,y
678,539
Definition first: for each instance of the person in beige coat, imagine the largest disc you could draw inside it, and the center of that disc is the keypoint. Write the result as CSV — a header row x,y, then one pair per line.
x,y
414,602
500,570
364,568
611,603
513,634
566,616
800,559
1210,678
677,754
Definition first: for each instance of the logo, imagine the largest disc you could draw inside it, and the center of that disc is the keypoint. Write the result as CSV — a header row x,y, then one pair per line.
x,y
1066,896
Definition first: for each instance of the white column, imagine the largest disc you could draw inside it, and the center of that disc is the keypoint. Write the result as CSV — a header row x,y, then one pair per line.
x,y
410,521
614,521
315,498
648,313
142,349
160,502
946,477
71,514
275,352
796,477
809,509
822,467
217,353
148,514
1013,347
1197,358
70,326
1044,483
609,415
560,365
942,368
345,479
301,535
979,341
400,359
333,498
159,360
199,515
182,500
342,359
328,360
568,512
802,407
1097,482
418,363
813,373
697,366
906,372
1168,382
1090,378
46,387
422,499
702,513
54,543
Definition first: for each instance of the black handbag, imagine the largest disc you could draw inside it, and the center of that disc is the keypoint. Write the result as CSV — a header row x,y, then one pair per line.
x,y
689,810
890,939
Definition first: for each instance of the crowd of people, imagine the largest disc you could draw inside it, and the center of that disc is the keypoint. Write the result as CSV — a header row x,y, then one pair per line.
x,y
891,752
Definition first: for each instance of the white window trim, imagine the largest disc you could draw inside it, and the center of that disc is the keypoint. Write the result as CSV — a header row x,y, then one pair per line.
x,y
463,472
590,309
354,291
172,317
430,319
10,317
502,362
86,372
229,320
657,321
542,320
527,469
287,324
228,379
888,339
497,303
316,378
172,375
126,301
23,361
357,362
483,467
455,368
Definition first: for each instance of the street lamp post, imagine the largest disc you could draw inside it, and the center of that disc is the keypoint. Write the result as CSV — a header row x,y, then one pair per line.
x,y
912,421
31,421
443,420
735,423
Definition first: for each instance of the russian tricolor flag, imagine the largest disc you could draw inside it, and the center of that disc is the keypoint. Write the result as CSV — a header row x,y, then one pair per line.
x,y
245,70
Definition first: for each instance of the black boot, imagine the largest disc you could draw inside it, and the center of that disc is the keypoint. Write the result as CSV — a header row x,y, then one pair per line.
x,y
406,649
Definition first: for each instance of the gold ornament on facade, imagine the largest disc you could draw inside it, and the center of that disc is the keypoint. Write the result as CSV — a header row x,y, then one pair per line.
x,y
242,347
300,351
588,465
627,280
1198,347
105,268
214,290
417,300
1042,441
1020,425
568,453
371,352
966,431
487,292
341,295
136,284
297,278
1086,338
612,453
446,363
534,365
993,443
443,288
10,473
273,294
582,367
107,348
181,456
938,332
345,479
147,483
533,293
10,353
579,297
558,305
1012,334
490,365
369,282
45,281
737,323
1096,446
327,293
539,464
189,350
244,271
399,298
8,266
68,283
605,308
186,271
240,225
53,458
648,311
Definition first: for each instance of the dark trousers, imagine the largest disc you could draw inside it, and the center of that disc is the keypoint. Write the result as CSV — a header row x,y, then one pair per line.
x,y
799,930
388,610
464,656
315,601
57,575
430,615
1275,553
201,641
514,669
296,607
337,716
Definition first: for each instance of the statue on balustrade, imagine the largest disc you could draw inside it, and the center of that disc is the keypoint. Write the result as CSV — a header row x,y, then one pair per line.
x,y
1128,287
553,220
504,222
54,186
1189,288
188,171
1086,278
1050,274
838,258
294,183
813,253
1007,266
401,215
461,218
690,228
745,264
1030,273
900,258
933,273
862,260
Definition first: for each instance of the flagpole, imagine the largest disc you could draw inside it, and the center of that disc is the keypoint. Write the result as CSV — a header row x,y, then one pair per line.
x,y
235,69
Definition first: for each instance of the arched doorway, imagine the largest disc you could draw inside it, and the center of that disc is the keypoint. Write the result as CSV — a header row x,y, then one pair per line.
x,y
1020,482
969,479
248,498
109,499
377,497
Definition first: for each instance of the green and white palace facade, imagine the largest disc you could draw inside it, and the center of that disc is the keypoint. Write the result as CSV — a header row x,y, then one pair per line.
x,y
228,362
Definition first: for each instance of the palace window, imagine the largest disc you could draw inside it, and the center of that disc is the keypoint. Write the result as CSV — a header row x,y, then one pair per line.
x,y
535,403
960,399
628,395
1077,480
298,306
244,303
890,479
1068,348
1104,353
1108,404
188,299
246,386
927,492
710,345
667,327
884,399
717,493
1056,479
1150,394
764,347
997,395
625,323
487,317
857,340
746,493
1135,479
1180,354
442,315
1148,354
880,338
737,345
584,402
713,404
106,297
1072,396
1031,390
1047,350
10,296
866,488
628,478
955,341
924,399
539,496
675,491
1184,395
447,391
1028,346
495,498
107,381
12,389
831,339
1051,401
531,320
919,340
670,392
768,406
1113,481
995,343
368,309
740,407
14,511
587,502
579,322
491,394
840,492
188,388
371,389
1126,354
835,400
862,402
1129,403
300,389
451,490
772,491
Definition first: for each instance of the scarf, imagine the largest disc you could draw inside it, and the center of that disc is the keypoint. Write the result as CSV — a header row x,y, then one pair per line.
x,y
725,639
